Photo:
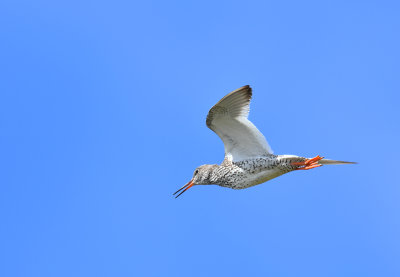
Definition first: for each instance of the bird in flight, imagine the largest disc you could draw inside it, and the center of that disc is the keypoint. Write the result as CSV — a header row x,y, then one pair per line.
x,y
249,160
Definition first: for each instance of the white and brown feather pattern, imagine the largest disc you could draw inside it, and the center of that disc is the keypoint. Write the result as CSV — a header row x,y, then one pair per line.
x,y
228,119
248,173
233,105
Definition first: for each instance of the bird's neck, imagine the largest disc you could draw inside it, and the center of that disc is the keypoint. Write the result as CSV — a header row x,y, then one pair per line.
x,y
217,174
214,174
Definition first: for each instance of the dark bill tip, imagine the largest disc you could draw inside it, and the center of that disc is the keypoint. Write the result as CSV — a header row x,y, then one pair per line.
x,y
184,188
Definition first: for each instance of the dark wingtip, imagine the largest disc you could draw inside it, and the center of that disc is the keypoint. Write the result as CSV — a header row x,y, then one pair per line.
x,y
247,88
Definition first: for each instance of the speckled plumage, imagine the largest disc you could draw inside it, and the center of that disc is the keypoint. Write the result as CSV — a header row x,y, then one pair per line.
x,y
249,160
246,173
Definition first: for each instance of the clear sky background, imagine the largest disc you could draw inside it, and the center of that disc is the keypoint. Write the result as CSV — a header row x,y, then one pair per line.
x,y
103,107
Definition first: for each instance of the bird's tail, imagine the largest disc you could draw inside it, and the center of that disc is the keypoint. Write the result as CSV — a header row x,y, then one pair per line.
x,y
327,161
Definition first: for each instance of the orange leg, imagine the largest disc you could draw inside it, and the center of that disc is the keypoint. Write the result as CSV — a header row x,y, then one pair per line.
x,y
309,163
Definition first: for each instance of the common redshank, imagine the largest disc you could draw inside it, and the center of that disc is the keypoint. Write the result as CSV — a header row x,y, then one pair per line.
x,y
249,160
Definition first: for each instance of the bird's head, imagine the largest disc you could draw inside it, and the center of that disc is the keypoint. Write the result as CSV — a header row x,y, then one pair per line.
x,y
201,176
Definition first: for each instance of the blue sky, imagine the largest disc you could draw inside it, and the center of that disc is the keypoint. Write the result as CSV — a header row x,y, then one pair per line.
x,y
103,107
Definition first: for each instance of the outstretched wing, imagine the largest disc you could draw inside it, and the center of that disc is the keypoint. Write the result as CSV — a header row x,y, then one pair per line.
x,y
228,119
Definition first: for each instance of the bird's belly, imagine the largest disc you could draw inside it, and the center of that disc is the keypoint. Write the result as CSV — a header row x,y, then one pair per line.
x,y
264,176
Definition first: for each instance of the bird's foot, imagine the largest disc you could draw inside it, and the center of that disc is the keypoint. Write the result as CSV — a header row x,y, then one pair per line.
x,y
308,163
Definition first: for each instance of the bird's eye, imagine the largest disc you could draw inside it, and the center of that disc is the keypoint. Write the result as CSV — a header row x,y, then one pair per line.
x,y
197,171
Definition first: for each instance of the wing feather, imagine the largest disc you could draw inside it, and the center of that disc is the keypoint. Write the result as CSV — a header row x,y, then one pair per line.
x,y
228,119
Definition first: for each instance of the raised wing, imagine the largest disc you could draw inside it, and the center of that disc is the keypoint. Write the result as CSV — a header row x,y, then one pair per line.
x,y
228,119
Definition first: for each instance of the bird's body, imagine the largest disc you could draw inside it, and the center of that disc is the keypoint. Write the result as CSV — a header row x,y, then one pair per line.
x,y
249,160
249,172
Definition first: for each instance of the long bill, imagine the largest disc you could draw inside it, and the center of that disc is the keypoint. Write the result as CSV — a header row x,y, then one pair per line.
x,y
184,188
